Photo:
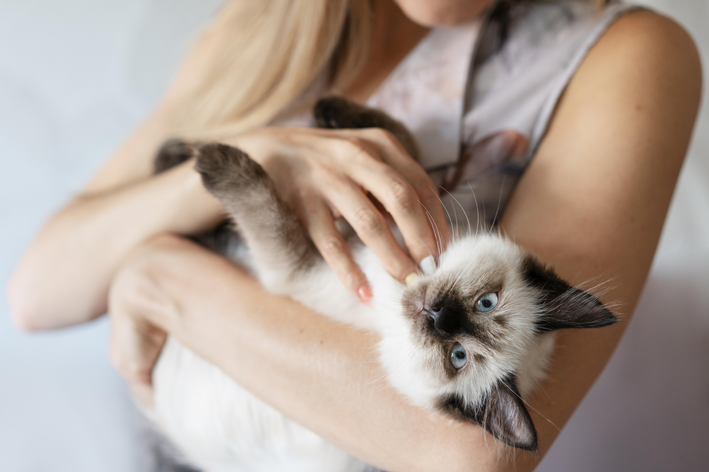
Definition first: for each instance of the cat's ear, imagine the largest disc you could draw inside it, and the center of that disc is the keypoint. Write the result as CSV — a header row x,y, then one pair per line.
x,y
564,306
502,414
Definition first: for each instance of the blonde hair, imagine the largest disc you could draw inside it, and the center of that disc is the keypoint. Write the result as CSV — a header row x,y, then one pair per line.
x,y
265,53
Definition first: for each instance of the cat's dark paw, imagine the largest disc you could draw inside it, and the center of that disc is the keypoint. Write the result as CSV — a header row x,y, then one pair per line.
x,y
173,153
225,168
340,113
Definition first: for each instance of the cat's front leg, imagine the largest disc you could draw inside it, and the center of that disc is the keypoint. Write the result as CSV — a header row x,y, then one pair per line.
x,y
278,242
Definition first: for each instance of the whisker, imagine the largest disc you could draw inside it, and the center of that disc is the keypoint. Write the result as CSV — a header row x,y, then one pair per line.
x,y
436,231
425,245
375,380
477,209
465,213
499,200
444,208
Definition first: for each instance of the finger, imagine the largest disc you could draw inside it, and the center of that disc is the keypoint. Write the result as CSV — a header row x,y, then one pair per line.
x,y
143,392
134,349
371,227
139,384
320,224
393,153
400,200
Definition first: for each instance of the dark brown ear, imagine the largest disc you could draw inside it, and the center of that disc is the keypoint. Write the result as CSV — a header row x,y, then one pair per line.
x,y
564,306
340,113
502,414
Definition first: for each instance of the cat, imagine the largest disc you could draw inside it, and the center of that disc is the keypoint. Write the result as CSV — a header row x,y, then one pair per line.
x,y
470,338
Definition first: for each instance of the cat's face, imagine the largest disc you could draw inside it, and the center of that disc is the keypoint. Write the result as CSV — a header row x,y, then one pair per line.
x,y
472,323
474,315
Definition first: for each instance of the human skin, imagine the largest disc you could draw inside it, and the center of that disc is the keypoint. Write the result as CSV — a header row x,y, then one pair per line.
x,y
592,204
323,173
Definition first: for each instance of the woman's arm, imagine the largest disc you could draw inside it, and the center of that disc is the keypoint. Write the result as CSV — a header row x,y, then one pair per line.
x,y
595,198
322,374
63,278
592,203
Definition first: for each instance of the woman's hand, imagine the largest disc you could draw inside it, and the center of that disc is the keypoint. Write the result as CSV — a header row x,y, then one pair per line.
x,y
135,341
360,175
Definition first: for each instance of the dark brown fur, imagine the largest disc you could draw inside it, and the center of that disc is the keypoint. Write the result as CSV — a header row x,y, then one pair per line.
x,y
502,413
274,234
339,113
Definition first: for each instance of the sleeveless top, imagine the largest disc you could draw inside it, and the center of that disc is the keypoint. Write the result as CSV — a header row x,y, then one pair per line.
x,y
478,97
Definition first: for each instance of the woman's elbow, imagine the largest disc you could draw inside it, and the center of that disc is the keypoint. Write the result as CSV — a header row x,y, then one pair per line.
x,y
37,303
26,313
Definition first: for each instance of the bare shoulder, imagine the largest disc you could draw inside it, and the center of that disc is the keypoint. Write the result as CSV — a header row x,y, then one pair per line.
x,y
648,47
644,61
619,133
632,102
650,35
642,81
643,56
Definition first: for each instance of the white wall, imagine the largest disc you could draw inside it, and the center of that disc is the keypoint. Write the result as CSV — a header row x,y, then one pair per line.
x,y
77,75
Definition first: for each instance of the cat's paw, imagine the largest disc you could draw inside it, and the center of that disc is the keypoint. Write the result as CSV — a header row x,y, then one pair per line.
x,y
173,153
339,113
227,169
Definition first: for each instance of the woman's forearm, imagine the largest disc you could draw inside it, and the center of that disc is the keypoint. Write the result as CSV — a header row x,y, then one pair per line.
x,y
64,276
322,374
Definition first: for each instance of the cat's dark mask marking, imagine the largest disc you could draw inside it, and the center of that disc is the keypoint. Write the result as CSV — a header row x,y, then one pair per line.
x,y
564,306
448,316
502,414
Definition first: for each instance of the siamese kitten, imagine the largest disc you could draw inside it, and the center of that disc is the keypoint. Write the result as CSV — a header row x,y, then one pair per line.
x,y
469,339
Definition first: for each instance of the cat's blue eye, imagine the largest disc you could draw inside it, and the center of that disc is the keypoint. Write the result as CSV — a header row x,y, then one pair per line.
x,y
459,356
487,302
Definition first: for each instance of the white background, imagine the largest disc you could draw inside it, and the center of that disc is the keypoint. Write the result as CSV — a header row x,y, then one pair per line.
x,y
76,76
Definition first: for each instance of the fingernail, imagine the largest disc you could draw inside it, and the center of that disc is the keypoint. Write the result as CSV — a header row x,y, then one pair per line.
x,y
427,265
365,294
411,278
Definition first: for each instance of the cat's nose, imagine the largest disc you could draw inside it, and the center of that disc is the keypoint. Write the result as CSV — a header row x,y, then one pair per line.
x,y
448,318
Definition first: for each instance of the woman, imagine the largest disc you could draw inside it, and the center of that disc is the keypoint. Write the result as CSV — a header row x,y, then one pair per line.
x,y
591,202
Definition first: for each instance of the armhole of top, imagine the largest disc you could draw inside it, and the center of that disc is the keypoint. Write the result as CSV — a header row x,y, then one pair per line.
x,y
611,15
